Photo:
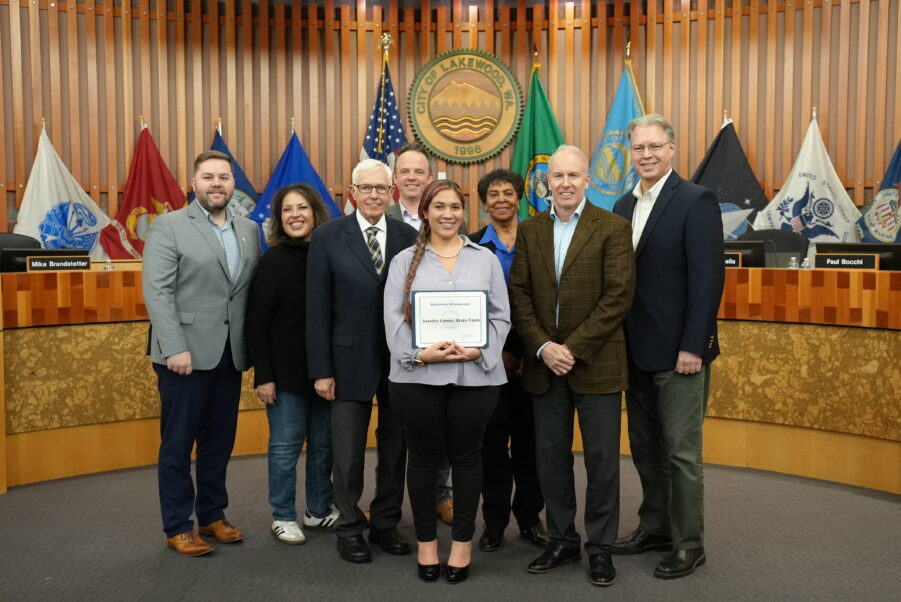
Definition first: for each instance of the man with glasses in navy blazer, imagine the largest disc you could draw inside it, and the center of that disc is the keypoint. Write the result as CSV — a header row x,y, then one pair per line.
x,y
348,357
671,334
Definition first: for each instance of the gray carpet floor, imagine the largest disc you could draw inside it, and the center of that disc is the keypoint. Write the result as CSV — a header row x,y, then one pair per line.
x,y
769,537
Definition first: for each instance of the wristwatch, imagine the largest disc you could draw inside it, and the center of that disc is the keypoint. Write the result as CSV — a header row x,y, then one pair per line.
x,y
417,359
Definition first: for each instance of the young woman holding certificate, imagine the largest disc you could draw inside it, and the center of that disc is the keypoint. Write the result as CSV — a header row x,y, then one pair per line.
x,y
444,391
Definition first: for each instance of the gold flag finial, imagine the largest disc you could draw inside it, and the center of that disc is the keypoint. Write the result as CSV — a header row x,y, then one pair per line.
x,y
814,112
293,122
219,125
385,42
628,50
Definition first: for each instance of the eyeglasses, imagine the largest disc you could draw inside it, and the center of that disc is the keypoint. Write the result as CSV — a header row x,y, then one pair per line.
x,y
654,148
367,188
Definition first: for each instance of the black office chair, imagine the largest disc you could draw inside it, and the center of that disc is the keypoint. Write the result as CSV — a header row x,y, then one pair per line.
x,y
780,246
18,241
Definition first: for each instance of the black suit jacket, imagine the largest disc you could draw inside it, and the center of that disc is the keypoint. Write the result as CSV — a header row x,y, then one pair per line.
x,y
679,276
345,327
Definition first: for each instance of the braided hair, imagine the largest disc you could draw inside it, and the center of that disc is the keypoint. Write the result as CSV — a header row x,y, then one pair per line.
x,y
425,233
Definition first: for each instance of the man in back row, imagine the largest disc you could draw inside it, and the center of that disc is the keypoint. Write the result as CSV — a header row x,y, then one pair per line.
x,y
414,170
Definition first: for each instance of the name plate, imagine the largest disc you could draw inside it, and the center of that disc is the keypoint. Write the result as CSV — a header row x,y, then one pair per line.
x,y
732,260
459,316
58,263
846,261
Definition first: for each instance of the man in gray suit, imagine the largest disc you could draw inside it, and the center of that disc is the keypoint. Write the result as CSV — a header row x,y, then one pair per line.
x,y
198,265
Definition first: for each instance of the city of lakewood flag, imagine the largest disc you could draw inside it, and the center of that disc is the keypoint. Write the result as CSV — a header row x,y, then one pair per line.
x,y
56,210
294,167
149,191
611,172
882,220
812,201
539,136
385,133
726,172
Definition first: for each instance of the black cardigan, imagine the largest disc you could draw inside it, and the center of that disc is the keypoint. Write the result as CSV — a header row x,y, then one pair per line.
x,y
276,318
514,343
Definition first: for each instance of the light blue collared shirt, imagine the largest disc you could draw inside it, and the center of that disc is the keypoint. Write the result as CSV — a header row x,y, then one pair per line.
x,y
563,235
228,238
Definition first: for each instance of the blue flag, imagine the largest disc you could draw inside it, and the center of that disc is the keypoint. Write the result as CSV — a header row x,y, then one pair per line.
x,y
611,167
882,220
294,167
245,197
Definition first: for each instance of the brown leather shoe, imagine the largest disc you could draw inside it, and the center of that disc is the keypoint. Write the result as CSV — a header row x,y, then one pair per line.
x,y
445,511
222,531
189,544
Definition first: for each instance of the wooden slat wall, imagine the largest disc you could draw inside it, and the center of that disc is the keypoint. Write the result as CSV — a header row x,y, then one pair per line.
x,y
91,69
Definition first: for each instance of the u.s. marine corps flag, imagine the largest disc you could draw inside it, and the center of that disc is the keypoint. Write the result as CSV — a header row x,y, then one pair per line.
x,y
813,201
56,210
539,136
611,172
149,191
882,221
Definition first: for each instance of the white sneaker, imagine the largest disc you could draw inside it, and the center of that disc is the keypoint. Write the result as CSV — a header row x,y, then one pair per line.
x,y
326,522
288,531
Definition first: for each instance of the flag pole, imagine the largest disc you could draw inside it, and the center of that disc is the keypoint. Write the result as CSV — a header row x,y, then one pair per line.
x,y
385,42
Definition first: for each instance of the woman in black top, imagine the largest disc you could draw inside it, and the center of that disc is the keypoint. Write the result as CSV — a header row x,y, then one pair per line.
x,y
276,335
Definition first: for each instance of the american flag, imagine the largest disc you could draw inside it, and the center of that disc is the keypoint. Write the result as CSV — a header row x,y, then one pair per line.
x,y
385,134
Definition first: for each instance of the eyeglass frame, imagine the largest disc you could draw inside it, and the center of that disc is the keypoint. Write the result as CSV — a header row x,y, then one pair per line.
x,y
367,188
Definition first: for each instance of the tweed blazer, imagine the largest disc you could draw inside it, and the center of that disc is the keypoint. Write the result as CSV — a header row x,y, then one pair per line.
x,y
192,302
595,291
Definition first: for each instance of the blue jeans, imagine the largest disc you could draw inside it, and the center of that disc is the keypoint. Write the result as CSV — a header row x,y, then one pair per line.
x,y
294,418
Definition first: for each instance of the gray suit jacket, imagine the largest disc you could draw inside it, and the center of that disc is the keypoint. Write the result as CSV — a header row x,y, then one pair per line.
x,y
193,304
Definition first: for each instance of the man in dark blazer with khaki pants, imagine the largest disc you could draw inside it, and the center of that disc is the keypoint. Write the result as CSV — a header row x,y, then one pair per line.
x,y
348,358
672,338
571,285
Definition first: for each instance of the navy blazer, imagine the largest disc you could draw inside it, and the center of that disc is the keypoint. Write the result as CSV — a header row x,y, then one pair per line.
x,y
679,276
345,327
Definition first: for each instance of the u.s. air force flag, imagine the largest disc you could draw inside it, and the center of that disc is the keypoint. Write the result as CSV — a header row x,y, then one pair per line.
x,y
882,220
56,210
812,201
611,168
292,168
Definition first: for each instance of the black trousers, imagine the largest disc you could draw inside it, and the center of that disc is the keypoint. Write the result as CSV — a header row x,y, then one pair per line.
x,y
599,423
439,420
350,428
201,407
508,456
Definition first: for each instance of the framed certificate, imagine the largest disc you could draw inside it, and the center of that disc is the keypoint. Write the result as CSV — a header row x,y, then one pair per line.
x,y
459,316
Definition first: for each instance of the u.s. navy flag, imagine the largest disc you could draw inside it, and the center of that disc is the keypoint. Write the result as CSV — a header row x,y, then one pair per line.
x,y
882,221
812,201
611,168
725,171
385,134
294,167
539,136
149,191
56,210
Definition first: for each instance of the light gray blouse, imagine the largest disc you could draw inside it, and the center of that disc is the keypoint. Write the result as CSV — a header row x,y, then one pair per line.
x,y
476,269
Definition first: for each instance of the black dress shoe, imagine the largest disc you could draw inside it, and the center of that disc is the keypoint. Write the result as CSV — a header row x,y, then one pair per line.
x,y
601,571
555,556
456,574
639,541
680,563
354,549
535,535
429,572
390,541
491,539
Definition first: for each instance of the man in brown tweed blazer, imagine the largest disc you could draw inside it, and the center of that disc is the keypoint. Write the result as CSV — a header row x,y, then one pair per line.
x,y
571,286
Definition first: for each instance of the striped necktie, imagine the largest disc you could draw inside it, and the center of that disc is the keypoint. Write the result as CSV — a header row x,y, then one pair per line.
x,y
375,252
